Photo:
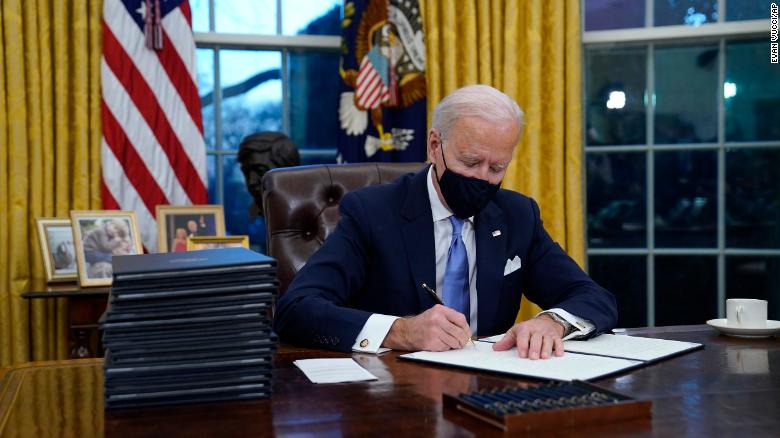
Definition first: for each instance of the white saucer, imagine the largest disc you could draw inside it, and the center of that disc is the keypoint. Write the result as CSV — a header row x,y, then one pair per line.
x,y
772,328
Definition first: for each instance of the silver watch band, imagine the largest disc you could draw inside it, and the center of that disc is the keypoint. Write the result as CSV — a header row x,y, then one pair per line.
x,y
567,327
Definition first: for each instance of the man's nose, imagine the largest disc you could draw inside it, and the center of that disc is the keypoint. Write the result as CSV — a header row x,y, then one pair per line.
x,y
483,173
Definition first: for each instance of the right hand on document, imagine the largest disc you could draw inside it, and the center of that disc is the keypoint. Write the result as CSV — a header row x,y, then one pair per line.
x,y
439,328
539,337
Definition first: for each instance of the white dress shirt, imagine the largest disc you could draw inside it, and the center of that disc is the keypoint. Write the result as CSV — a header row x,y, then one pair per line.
x,y
378,325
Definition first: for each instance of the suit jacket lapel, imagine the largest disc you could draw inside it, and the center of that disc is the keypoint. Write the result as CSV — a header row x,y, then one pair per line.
x,y
418,237
490,264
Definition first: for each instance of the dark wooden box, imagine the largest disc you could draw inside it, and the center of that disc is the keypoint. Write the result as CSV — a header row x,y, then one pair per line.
x,y
623,409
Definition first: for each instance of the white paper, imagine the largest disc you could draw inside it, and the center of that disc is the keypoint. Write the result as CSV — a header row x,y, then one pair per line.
x,y
629,347
570,366
333,370
621,346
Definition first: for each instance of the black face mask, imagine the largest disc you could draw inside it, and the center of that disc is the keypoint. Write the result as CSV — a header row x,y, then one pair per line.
x,y
466,196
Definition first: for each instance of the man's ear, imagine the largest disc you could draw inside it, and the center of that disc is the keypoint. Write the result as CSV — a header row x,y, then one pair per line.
x,y
434,142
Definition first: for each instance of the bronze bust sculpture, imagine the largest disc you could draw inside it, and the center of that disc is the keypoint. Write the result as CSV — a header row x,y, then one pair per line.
x,y
260,152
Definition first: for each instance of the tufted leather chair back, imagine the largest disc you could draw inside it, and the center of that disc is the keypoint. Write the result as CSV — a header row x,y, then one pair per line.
x,y
301,206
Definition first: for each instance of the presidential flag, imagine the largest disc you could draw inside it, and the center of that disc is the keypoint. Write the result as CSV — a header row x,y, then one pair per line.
x,y
152,149
382,113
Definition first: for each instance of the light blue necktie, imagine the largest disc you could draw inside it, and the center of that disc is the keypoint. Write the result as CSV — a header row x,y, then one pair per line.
x,y
456,274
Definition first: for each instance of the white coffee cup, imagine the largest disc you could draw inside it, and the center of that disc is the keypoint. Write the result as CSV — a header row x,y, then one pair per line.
x,y
746,313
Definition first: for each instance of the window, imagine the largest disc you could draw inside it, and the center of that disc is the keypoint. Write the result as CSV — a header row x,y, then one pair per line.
x,y
682,147
264,65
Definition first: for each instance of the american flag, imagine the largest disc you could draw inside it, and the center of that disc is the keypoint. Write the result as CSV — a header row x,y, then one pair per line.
x,y
370,88
152,149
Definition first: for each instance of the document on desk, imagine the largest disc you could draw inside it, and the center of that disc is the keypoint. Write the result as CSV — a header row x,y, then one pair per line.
x,y
624,347
630,347
337,370
570,366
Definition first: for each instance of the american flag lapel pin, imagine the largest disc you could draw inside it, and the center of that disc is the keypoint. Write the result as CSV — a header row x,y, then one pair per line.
x,y
496,233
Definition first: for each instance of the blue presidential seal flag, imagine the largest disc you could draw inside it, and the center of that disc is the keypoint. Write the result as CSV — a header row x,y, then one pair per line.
x,y
382,102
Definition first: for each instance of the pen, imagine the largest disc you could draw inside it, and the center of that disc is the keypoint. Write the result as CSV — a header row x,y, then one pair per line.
x,y
438,300
432,293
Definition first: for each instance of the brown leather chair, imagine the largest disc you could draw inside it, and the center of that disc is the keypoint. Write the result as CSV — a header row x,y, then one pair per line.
x,y
301,206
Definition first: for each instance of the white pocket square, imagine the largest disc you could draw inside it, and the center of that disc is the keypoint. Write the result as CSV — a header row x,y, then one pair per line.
x,y
512,265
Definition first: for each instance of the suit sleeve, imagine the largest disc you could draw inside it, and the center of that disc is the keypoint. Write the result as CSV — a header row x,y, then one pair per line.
x,y
314,311
553,279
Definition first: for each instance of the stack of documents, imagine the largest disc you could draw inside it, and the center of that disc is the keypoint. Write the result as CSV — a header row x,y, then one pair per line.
x,y
189,327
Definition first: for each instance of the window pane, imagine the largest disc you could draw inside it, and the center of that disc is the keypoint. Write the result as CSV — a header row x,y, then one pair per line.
x,y
690,12
245,16
200,15
752,92
614,14
626,278
615,96
238,202
616,200
755,277
686,90
747,9
204,59
685,289
753,198
311,17
314,93
685,199
251,94
211,170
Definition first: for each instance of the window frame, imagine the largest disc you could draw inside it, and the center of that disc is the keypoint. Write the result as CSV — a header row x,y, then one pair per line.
x,y
284,44
649,36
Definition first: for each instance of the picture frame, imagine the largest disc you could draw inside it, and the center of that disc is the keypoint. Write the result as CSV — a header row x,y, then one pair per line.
x,y
206,242
55,236
176,223
98,235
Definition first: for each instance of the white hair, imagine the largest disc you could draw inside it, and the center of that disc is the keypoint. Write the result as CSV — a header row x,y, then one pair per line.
x,y
482,101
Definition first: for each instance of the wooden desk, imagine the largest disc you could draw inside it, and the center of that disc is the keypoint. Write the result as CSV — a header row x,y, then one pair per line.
x,y
730,388
85,306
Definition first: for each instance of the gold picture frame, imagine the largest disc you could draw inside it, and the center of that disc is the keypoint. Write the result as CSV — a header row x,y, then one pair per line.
x,y
55,236
176,223
98,235
207,242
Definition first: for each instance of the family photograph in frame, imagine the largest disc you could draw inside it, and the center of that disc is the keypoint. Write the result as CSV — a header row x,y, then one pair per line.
x,y
98,237
204,242
55,236
175,224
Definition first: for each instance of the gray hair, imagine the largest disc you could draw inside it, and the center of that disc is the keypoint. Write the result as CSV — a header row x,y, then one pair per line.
x,y
482,101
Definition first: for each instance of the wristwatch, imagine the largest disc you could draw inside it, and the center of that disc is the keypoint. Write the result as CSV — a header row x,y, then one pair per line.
x,y
567,328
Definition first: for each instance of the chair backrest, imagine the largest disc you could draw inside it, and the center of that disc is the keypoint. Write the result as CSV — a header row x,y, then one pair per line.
x,y
301,206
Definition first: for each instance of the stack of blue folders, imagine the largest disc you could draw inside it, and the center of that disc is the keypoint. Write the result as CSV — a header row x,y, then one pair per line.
x,y
189,327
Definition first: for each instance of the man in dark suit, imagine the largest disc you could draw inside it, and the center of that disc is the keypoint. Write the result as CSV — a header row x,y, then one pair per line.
x,y
451,228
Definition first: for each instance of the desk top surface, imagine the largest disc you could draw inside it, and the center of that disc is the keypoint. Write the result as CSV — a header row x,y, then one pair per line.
x,y
730,387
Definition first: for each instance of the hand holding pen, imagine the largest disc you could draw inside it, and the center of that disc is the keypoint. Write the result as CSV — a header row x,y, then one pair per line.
x,y
439,328
438,300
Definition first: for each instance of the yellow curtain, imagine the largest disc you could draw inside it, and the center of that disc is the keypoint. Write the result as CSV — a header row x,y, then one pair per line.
x,y
531,51
49,154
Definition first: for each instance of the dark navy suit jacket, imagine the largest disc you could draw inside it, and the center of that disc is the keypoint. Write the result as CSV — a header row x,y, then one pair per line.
x,y
383,249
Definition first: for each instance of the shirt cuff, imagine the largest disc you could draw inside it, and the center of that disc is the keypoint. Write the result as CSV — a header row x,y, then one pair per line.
x,y
370,338
581,326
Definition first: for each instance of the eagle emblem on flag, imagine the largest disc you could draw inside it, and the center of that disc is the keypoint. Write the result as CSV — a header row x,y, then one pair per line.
x,y
383,73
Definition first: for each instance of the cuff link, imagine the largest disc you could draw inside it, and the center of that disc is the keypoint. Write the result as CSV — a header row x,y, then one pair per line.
x,y
364,343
